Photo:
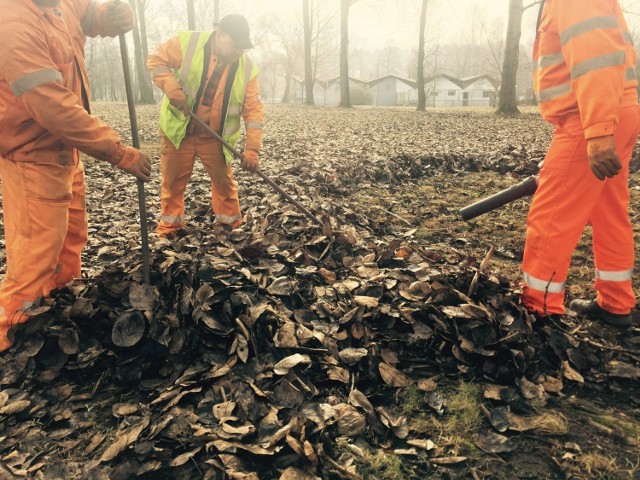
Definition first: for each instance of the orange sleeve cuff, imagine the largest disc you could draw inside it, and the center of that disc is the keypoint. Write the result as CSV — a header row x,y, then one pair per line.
x,y
601,129
253,140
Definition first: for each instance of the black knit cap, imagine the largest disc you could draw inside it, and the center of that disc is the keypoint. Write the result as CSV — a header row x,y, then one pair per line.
x,y
237,28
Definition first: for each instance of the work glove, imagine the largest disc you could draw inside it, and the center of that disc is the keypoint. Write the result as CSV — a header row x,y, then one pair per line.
x,y
136,163
178,99
603,158
120,17
251,161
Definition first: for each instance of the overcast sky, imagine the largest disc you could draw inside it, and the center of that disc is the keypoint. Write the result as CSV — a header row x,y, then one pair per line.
x,y
374,24
378,23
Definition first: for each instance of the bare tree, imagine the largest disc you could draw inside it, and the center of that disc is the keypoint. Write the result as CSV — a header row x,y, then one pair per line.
x,y
191,14
495,43
420,73
345,97
507,100
435,57
216,11
145,87
287,35
324,44
308,67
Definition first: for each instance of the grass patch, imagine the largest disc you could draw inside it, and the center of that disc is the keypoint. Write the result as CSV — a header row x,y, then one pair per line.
x,y
599,467
383,466
453,431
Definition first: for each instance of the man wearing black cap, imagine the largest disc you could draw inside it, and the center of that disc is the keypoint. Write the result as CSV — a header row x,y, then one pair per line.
x,y
210,75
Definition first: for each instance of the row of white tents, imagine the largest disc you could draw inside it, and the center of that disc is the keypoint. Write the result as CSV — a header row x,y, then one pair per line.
x,y
391,90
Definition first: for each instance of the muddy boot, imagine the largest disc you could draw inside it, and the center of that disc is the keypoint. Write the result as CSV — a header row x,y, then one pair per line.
x,y
592,310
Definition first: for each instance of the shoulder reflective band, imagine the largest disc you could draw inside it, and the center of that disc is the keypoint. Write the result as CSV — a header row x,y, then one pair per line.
x,y
587,25
35,79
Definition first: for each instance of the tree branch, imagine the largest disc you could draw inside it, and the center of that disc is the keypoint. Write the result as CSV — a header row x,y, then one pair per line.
x,y
532,4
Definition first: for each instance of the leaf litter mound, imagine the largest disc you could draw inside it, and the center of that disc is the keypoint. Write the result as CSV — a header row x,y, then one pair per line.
x,y
281,349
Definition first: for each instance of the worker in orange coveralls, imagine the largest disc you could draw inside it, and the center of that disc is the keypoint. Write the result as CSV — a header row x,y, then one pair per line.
x,y
585,82
208,74
44,120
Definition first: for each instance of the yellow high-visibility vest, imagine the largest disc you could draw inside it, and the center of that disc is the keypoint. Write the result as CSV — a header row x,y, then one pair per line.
x,y
173,123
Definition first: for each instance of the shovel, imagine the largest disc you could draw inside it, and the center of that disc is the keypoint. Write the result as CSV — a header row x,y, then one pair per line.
x,y
141,297
239,156
135,140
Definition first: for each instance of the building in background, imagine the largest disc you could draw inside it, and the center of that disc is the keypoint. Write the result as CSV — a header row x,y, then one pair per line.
x,y
392,90
319,92
358,91
443,90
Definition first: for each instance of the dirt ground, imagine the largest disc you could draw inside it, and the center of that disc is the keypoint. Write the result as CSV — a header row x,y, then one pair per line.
x,y
396,177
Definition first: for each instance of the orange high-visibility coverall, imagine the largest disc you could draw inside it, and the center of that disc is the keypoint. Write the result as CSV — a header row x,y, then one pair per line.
x,y
44,102
177,164
586,84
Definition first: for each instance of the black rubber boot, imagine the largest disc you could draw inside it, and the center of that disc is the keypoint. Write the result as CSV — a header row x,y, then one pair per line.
x,y
592,310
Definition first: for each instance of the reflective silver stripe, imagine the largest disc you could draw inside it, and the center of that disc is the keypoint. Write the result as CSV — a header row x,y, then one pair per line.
x,y
549,60
89,18
627,37
554,92
619,276
257,125
187,60
35,79
159,70
594,23
630,74
596,63
542,285
233,110
230,130
227,218
175,220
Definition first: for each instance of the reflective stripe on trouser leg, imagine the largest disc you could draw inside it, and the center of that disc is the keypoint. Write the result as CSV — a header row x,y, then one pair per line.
x,y
36,200
176,168
561,207
224,192
613,247
69,263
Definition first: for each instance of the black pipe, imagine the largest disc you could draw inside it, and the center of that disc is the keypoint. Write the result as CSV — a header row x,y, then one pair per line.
x,y
523,189
135,140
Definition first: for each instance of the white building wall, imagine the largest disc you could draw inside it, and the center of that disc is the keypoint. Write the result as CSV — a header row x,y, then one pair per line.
x,y
332,96
447,93
406,94
319,94
481,93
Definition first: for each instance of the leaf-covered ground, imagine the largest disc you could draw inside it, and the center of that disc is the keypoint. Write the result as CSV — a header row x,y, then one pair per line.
x,y
388,343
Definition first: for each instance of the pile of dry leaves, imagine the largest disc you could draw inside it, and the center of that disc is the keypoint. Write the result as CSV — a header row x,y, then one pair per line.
x,y
285,350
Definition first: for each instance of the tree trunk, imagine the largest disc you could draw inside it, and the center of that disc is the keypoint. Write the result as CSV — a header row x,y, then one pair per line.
x,y
421,96
145,87
286,96
191,14
507,101
142,23
216,12
345,97
308,70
